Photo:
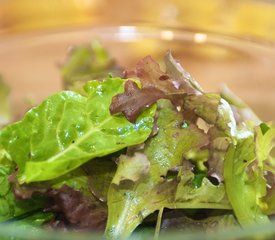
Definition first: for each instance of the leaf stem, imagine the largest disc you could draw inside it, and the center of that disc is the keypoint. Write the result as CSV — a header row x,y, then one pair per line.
x,y
158,225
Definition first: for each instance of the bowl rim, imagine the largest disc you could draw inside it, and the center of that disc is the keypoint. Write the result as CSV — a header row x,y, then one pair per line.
x,y
134,33
264,231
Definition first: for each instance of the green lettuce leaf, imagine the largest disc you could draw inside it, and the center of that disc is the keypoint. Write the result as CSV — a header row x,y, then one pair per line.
x,y
245,187
265,142
206,195
242,112
68,129
180,76
100,172
129,202
71,198
19,226
219,144
205,106
131,168
242,174
10,206
34,219
265,136
213,109
87,63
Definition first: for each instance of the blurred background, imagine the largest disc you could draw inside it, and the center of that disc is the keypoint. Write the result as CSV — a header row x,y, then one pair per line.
x,y
249,18
32,68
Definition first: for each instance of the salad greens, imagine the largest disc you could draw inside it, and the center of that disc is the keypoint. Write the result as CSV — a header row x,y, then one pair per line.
x,y
86,63
129,202
11,206
149,149
68,126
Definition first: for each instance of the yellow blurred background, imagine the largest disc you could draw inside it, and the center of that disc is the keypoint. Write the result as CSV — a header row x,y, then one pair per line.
x,y
249,18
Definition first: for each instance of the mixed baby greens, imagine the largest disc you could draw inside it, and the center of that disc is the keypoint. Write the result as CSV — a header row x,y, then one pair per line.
x,y
136,149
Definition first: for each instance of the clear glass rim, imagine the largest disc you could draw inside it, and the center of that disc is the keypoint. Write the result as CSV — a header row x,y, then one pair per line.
x,y
131,33
264,231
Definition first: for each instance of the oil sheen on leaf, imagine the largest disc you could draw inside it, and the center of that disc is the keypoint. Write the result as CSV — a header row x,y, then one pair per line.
x,y
130,202
68,129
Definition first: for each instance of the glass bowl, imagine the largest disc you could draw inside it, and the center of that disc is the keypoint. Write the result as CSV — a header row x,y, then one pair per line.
x,y
30,63
30,66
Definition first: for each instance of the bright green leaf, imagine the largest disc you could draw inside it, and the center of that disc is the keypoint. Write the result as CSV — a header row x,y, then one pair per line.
x,y
265,136
10,206
205,106
244,188
130,202
87,63
68,129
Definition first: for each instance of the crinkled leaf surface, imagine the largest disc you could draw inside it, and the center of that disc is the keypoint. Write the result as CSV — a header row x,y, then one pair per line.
x,y
131,168
173,140
10,207
242,112
215,110
68,129
174,80
151,75
205,106
156,84
269,199
134,100
70,197
87,63
77,209
181,78
244,188
248,183
265,136
219,144
205,196
130,202
76,179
